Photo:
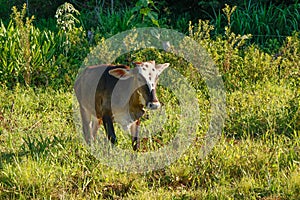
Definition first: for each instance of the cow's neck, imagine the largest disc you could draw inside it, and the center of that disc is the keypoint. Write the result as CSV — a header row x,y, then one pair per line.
x,y
136,107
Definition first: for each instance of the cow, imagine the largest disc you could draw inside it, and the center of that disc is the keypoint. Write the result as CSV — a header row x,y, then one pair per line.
x,y
117,93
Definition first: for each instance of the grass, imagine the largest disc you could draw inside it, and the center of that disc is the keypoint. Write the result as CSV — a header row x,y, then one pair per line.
x,y
43,157
257,156
267,22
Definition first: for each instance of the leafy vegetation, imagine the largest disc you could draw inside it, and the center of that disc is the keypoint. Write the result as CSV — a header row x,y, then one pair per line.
x,y
42,156
34,57
257,156
269,23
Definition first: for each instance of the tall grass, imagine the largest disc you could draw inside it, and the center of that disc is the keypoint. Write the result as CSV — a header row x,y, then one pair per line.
x,y
26,53
34,57
264,21
113,22
257,157
108,21
43,157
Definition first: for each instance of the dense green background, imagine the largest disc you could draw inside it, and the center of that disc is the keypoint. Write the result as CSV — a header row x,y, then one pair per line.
x,y
256,47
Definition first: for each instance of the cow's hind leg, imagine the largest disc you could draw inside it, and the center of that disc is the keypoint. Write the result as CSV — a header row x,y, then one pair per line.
x,y
86,119
94,126
109,128
134,129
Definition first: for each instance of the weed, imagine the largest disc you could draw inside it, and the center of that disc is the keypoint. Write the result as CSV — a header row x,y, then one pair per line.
x,y
41,155
24,35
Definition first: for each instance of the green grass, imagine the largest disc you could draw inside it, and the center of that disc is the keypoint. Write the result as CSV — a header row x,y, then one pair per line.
x,y
257,157
266,22
43,157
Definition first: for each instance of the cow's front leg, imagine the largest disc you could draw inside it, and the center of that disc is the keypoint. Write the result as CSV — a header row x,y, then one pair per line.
x,y
134,130
109,128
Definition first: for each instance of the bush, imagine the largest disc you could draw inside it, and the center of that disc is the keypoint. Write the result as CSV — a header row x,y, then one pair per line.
x,y
289,60
33,57
106,22
263,109
243,64
27,54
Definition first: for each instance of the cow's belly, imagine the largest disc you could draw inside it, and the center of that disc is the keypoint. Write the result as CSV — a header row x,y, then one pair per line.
x,y
124,119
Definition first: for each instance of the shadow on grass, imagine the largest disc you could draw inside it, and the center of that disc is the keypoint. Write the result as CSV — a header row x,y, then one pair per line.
x,y
34,147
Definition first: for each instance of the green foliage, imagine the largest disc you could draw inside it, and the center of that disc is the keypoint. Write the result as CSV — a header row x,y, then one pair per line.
x,y
266,21
242,64
108,22
66,23
146,10
33,57
111,23
43,158
289,60
263,109
26,53
72,43
225,50
24,30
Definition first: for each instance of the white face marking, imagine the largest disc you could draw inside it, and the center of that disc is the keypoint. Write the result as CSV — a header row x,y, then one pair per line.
x,y
149,72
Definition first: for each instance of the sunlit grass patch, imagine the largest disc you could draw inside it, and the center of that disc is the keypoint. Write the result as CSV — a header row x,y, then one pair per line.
x,y
42,155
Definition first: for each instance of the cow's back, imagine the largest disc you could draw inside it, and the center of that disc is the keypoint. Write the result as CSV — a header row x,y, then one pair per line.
x,y
94,87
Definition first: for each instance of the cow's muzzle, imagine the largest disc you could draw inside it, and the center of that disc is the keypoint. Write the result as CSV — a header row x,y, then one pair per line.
x,y
153,105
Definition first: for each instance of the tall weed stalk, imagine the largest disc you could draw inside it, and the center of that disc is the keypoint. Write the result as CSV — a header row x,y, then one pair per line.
x,y
24,30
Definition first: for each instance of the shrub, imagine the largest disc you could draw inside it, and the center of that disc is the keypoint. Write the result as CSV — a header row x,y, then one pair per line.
x,y
263,109
108,22
226,50
33,57
243,64
289,60
72,44
27,54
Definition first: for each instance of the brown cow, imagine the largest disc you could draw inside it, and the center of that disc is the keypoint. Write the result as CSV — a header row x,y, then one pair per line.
x,y
108,93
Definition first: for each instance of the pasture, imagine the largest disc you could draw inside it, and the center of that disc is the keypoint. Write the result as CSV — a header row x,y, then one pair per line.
x,y
43,156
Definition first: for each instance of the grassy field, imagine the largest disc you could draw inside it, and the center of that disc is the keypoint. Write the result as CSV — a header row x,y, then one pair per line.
x,y
257,157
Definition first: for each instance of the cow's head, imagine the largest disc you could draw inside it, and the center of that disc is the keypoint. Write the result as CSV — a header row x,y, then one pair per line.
x,y
145,75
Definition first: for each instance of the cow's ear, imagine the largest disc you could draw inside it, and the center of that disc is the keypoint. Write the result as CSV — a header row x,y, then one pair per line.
x,y
152,62
121,73
136,63
161,67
